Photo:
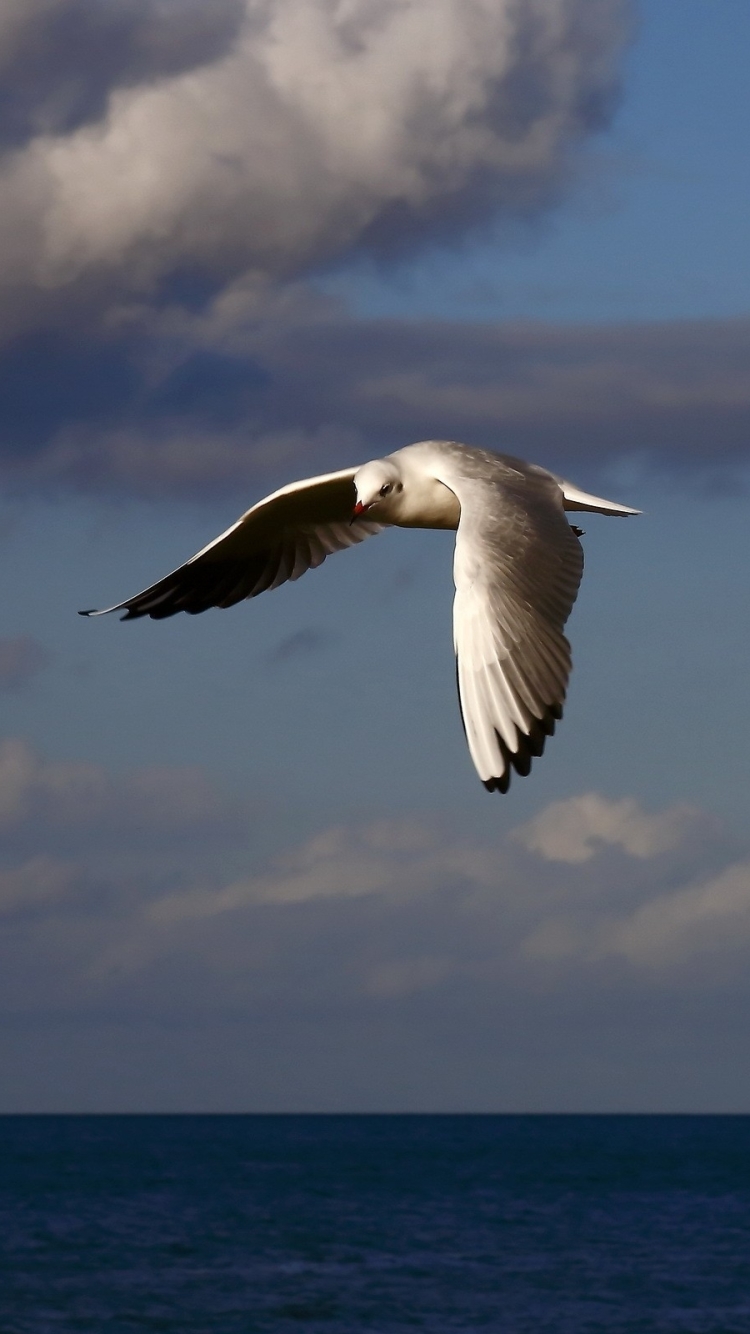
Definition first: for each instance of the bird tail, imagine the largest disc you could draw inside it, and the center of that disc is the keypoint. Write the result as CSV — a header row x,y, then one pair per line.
x,y
573,499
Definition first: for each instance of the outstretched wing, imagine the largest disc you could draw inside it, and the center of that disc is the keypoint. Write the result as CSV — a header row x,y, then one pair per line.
x,y
517,568
291,531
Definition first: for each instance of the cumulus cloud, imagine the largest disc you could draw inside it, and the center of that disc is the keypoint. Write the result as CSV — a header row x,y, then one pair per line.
x,y
21,659
60,59
172,174
164,201
575,829
327,122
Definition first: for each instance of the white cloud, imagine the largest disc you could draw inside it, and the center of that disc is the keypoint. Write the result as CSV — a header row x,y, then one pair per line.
x,y
713,915
388,857
383,910
576,829
325,118
669,931
464,955
397,858
418,907
641,922
59,59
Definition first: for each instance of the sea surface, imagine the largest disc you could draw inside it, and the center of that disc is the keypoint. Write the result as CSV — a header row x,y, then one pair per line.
x,y
385,1224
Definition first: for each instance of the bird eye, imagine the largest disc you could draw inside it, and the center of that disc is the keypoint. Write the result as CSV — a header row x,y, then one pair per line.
x,y
385,489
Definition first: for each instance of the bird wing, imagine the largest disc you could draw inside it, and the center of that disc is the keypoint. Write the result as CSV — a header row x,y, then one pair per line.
x,y
291,531
517,568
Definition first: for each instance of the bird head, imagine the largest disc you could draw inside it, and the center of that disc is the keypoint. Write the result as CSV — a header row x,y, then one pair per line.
x,y
379,487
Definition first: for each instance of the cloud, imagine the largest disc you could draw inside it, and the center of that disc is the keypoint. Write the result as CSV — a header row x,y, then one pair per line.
x,y
408,976
356,914
650,926
40,882
389,857
669,932
172,177
574,830
264,385
21,659
51,799
464,973
309,128
674,928
60,59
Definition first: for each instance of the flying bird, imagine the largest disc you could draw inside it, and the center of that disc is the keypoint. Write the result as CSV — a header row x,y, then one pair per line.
x,y
517,566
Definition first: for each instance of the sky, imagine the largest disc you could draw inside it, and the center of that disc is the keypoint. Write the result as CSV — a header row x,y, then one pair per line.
x,y
246,863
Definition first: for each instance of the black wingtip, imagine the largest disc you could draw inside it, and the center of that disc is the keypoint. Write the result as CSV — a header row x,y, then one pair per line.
x,y
530,746
91,612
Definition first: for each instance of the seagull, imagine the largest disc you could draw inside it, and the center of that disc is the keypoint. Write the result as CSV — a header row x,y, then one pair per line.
x,y
517,566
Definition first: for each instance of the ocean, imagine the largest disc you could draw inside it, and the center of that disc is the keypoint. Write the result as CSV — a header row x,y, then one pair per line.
x,y
385,1224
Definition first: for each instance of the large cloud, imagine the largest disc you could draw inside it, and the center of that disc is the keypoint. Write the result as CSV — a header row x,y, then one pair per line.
x,y
327,122
173,173
60,59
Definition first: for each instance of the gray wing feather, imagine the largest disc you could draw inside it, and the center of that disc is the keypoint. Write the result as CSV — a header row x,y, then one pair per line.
x,y
279,539
517,569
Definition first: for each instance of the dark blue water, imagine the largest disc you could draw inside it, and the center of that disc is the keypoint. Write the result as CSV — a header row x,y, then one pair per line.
x,y
336,1224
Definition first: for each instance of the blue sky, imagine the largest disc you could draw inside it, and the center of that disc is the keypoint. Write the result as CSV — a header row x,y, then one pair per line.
x,y
657,225
247,863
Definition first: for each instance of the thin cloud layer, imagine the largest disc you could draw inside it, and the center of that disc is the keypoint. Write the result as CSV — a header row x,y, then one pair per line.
x,y
37,883
324,125
266,387
396,938
695,925
44,801
354,913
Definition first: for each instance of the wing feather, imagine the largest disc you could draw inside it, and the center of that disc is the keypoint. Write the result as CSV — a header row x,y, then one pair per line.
x,y
278,540
517,569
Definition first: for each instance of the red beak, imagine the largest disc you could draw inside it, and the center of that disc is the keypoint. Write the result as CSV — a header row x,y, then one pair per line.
x,y
359,508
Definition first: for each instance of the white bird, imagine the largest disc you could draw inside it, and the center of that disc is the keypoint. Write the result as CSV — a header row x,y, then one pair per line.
x,y
517,566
